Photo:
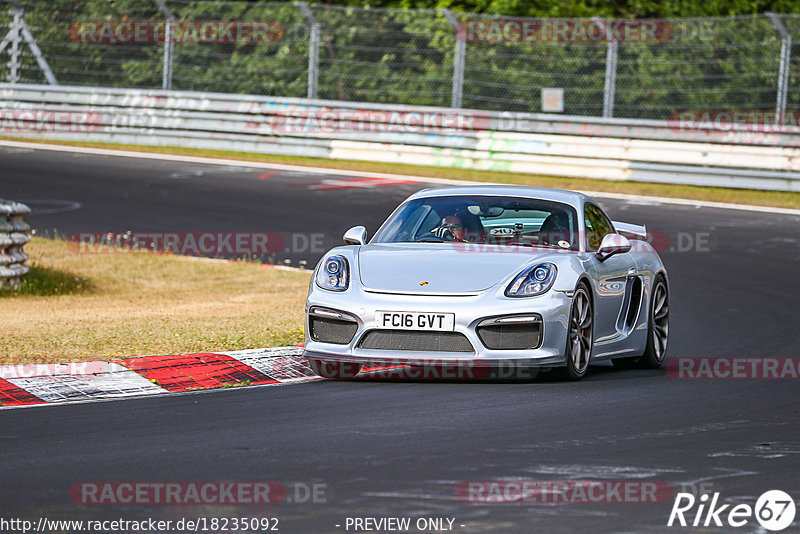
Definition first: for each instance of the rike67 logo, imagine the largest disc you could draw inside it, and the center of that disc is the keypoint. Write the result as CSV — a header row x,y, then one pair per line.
x,y
774,510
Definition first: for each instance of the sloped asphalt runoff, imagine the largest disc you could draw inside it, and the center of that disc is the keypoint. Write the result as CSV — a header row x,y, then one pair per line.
x,y
402,448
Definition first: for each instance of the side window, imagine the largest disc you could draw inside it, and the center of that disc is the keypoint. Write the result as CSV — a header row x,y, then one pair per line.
x,y
597,226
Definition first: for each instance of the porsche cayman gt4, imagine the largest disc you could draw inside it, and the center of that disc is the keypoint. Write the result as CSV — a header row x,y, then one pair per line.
x,y
485,275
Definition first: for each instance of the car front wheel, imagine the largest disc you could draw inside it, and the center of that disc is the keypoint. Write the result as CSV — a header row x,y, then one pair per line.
x,y
580,334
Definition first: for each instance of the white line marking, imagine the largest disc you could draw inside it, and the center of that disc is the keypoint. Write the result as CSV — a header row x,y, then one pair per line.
x,y
60,384
283,364
160,394
340,172
102,379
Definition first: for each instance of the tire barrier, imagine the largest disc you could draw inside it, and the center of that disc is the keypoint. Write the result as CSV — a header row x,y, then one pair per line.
x,y
13,236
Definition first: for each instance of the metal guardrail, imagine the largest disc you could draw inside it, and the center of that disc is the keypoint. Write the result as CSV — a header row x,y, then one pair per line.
x,y
611,149
13,236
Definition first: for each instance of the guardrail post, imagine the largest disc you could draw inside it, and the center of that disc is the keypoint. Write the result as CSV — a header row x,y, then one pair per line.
x,y
783,66
13,236
19,30
610,84
13,37
459,57
313,60
313,49
169,43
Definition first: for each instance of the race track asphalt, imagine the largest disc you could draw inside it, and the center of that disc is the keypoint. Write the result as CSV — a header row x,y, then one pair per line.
x,y
401,448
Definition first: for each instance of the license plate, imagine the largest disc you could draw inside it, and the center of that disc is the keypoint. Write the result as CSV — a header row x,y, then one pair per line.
x,y
415,320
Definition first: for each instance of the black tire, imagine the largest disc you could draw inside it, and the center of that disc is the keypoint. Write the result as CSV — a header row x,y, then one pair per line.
x,y
334,369
580,334
657,331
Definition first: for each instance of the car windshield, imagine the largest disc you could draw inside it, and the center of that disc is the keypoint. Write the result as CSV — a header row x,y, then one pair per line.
x,y
497,220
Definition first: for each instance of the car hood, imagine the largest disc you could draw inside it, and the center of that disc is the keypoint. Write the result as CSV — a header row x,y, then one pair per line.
x,y
446,267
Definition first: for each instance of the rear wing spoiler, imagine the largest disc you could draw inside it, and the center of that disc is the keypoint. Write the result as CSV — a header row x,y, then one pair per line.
x,y
631,231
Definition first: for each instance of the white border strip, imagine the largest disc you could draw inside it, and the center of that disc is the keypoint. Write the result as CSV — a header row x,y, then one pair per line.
x,y
72,383
342,172
55,383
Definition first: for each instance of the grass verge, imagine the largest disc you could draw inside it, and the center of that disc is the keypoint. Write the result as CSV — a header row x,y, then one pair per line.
x,y
715,194
46,281
76,307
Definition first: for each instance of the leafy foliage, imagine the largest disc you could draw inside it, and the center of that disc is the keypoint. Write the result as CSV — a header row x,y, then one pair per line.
x,y
372,54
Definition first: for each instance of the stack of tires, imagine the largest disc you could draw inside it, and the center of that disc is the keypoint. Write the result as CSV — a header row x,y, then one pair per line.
x,y
13,236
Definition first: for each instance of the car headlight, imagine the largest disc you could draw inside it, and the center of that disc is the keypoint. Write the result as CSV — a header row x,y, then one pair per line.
x,y
533,281
334,274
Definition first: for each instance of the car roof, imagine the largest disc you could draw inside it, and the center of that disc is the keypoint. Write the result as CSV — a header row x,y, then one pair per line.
x,y
572,198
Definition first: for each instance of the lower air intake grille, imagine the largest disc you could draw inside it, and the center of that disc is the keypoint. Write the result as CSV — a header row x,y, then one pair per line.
x,y
511,336
415,341
329,330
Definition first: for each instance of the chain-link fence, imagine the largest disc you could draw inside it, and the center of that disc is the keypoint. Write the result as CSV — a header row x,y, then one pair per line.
x,y
419,57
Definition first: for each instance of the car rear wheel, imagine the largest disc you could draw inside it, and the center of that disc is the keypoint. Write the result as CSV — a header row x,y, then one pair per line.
x,y
657,331
580,334
334,369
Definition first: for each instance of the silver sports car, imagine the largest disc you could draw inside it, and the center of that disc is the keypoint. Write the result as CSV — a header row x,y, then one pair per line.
x,y
487,275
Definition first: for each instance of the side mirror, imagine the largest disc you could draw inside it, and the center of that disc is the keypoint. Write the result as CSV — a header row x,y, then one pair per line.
x,y
613,244
356,235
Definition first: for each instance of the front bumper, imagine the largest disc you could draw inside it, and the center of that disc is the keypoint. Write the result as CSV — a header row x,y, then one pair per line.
x,y
470,310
